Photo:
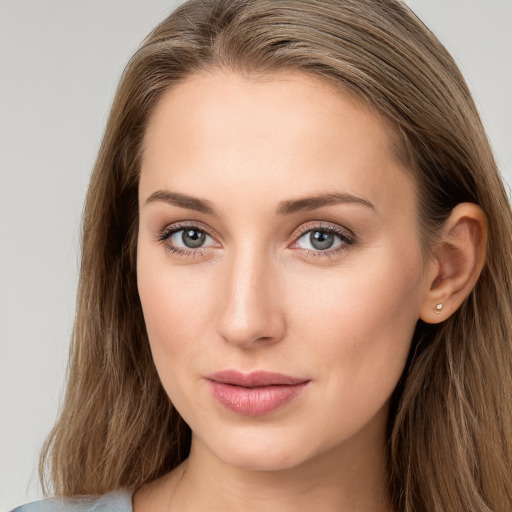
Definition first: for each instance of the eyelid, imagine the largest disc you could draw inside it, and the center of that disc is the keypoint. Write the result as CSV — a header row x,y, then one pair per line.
x,y
322,226
344,234
181,225
346,237
165,235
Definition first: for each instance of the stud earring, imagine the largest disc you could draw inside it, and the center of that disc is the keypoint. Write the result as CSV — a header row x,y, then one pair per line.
x,y
439,307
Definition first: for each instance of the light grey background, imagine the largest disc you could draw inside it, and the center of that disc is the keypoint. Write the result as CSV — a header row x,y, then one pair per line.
x,y
59,64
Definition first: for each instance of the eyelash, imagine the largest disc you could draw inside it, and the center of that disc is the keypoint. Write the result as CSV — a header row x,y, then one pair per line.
x,y
346,237
165,235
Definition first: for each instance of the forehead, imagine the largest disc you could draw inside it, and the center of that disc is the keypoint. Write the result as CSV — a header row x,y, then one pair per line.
x,y
289,132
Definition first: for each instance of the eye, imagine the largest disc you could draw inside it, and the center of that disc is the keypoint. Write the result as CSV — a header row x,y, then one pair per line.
x,y
323,240
319,240
190,238
186,240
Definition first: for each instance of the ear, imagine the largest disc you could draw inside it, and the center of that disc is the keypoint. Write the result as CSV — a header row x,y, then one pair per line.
x,y
456,263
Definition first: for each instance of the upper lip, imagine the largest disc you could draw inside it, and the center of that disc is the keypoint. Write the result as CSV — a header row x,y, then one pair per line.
x,y
254,379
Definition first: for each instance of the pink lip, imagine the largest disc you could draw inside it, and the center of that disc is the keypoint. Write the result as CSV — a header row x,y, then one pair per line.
x,y
255,393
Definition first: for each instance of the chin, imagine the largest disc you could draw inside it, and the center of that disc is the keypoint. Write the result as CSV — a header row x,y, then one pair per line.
x,y
261,460
262,450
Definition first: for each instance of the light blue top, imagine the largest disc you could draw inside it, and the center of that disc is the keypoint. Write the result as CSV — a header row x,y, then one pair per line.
x,y
117,501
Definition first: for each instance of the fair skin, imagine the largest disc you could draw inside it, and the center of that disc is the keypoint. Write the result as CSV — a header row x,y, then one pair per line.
x,y
327,293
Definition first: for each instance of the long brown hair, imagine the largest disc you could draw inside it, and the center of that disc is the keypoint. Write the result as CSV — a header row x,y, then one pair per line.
x,y
450,425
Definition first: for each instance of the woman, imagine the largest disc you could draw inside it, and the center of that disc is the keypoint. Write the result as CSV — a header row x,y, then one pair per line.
x,y
295,275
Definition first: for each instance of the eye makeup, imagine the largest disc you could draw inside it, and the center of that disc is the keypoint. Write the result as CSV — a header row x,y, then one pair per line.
x,y
319,234
190,231
314,240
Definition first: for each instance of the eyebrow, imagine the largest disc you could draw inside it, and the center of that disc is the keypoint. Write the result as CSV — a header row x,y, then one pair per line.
x,y
284,208
318,201
183,201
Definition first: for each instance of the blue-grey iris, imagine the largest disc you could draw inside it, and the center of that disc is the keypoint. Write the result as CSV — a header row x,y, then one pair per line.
x,y
193,238
321,240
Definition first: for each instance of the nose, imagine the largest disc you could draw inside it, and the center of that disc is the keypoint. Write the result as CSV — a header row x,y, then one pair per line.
x,y
250,310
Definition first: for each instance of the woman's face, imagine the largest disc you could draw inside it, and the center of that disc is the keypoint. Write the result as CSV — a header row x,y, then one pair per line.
x,y
279,266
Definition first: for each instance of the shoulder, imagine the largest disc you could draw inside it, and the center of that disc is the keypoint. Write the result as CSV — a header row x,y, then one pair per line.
x,y
117,501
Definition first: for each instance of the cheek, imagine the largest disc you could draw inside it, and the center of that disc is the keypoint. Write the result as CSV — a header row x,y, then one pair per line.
x,y
361,319
178,310
350,327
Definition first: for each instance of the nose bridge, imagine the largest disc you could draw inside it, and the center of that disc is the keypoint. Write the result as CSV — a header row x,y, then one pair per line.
x,y
249,303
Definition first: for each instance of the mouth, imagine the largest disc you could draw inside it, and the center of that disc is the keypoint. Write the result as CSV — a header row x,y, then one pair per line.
x,y
256,393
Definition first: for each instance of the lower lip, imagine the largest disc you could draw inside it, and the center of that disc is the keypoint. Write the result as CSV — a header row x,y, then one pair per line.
x,y
254,401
